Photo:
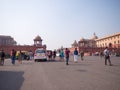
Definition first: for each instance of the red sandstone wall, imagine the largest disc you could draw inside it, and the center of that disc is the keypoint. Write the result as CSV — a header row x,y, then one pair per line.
x,y
7,49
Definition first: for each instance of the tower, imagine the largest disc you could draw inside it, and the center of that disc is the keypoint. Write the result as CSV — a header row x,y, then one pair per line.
x,y
38,41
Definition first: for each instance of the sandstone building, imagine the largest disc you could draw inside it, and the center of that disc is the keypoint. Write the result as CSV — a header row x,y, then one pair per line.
x,y
88,42
7,40
7,44
98,44
112,41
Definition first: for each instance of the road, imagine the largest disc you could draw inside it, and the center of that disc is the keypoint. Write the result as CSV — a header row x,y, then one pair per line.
x,y
90,74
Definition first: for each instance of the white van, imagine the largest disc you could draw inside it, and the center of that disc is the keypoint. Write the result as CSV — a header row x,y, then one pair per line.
x,y
40,55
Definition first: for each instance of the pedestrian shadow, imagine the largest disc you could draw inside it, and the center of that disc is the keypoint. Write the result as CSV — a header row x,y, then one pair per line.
x,y
52,60
47,61
115,65
11,80
80,64
26,63
81,70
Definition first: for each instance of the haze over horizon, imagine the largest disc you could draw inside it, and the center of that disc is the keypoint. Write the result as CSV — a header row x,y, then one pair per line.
x,y
58,22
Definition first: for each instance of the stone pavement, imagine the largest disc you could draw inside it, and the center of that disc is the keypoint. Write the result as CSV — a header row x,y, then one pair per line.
x,y
90,74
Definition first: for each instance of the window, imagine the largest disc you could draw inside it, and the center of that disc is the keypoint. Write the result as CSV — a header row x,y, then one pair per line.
x,y
40,51
114,42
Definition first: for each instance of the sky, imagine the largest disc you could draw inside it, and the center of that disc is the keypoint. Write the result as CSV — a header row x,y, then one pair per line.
x,y
58,22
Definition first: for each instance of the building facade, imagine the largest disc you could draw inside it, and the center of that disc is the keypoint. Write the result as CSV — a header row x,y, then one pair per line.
x,y
7,40
8,47
88,42
97,45
112,41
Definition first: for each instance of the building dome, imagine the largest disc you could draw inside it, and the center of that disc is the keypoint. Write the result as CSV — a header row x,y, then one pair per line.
x,y
38,38
75,44
94,36
82,39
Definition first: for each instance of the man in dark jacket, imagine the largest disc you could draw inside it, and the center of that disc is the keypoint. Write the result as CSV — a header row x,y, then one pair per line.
x,y
2,56
67,55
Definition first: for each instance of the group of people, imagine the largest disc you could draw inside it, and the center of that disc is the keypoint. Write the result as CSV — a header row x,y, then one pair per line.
x,y
19,55
2,57
105,53
12,56
66,54
62,54
76,54
51,55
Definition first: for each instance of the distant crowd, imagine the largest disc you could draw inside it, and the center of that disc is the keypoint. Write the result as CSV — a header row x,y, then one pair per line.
x,y
63,55
16,55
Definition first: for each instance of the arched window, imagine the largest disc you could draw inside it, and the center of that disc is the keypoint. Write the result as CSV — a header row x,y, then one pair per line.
x,y
110,44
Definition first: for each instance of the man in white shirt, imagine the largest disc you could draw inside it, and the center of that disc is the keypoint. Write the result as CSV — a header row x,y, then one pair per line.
x,y
107,56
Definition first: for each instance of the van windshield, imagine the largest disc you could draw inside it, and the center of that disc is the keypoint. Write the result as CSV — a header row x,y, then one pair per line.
x,y
40,51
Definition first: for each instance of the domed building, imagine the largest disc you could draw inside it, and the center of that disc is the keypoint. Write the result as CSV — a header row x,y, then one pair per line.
x,y
94,37
82,39
98,44
75,44
88,42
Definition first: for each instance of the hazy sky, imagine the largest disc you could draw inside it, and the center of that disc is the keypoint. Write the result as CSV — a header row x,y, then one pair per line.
x,y
58,22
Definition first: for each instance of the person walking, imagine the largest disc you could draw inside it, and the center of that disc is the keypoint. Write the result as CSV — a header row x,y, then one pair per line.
x,y
101,54
54,54
13,56
61,55
50,55
67,55
2,56
20,57
82,55
75,55
107,56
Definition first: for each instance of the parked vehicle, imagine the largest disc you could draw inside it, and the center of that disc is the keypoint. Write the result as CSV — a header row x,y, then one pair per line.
x,y
40,55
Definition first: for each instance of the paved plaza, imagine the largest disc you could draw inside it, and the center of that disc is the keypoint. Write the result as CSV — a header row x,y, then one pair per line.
x,y
89,74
